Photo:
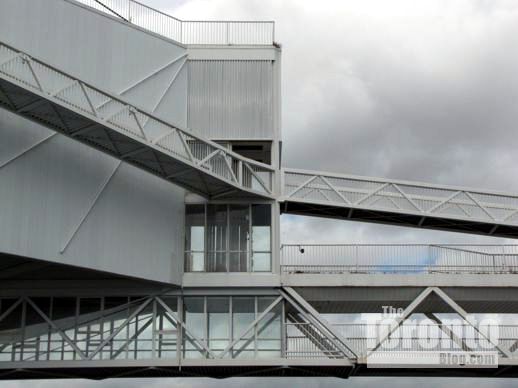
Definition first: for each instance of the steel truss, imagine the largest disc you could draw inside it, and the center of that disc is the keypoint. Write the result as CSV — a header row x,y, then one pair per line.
x,y
101,337
64,103
400,203
68,105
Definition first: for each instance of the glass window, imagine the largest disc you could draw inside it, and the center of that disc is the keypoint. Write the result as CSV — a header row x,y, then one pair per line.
x,y
218,310
233,238
243,314
217,238
269,330
261,238
239,229
262,262
195,238
195,321
166,330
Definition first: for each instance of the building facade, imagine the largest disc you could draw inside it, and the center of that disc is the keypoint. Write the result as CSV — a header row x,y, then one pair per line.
x,y
141,189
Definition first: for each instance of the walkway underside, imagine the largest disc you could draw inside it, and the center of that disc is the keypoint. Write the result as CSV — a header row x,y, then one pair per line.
x,y
410,204
66,104
142,329
272,369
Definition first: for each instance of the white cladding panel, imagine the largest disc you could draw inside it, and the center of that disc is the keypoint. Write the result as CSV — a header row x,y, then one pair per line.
x,y
102,51
134,228
231,99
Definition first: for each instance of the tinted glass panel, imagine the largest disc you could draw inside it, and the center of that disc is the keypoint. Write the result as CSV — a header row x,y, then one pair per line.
x,y
243,314
218,310
195,322
195,237
228,238
217,238
262,262
269,330
239,226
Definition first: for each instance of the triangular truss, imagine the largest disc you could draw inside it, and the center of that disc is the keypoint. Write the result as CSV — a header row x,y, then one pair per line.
x,y
66,104
397,322
399,203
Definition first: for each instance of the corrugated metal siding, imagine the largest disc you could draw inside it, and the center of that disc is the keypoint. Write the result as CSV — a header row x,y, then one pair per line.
x,y
231,99
135,227
98,50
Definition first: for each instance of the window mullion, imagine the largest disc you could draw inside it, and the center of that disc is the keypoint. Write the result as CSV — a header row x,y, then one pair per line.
x,y
231,325
206,239
227,253
250,240
206,323
256,332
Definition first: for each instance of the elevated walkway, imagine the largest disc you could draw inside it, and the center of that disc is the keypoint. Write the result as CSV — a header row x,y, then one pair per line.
x,y
66,104
402,203
99,336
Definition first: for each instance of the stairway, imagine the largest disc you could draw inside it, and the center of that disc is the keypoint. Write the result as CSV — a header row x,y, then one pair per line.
x,y
66,104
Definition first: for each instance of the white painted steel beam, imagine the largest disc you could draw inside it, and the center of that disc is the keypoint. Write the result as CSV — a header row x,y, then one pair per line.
x,y
167,148
403,203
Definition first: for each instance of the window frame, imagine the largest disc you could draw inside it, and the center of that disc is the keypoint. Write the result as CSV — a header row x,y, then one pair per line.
x,y
188,257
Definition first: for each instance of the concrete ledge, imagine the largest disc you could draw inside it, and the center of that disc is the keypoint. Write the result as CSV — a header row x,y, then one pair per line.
x,y
198,279
399,280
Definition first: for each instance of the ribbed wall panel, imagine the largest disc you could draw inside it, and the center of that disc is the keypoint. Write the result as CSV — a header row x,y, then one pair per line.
x,y
134,227
108,54
231,99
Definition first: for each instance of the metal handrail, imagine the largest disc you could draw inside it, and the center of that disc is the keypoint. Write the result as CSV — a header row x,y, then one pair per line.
x,y
364,336
398,258
217,32
45,78
428,201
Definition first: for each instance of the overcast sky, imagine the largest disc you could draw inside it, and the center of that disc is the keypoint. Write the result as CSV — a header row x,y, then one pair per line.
x,y
422,90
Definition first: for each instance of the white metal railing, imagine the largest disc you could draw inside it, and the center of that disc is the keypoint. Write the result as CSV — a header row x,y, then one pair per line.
x,y
188,31
401,197
204,155
422,337
428,336
398,258
303,341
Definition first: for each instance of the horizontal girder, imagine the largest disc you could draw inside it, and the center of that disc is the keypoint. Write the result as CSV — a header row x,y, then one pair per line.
x,y
42,93
282,334
411,204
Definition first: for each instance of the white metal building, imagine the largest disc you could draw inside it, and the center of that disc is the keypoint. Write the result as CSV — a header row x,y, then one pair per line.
x,y
141,188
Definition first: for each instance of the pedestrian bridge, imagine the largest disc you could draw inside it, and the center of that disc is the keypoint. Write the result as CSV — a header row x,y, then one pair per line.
x,y
66,104
393,202
109,272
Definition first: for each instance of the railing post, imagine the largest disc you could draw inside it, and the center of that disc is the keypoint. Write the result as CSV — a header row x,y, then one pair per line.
x,y
356,254
429,258
281,258
284,342
240,172
228,33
